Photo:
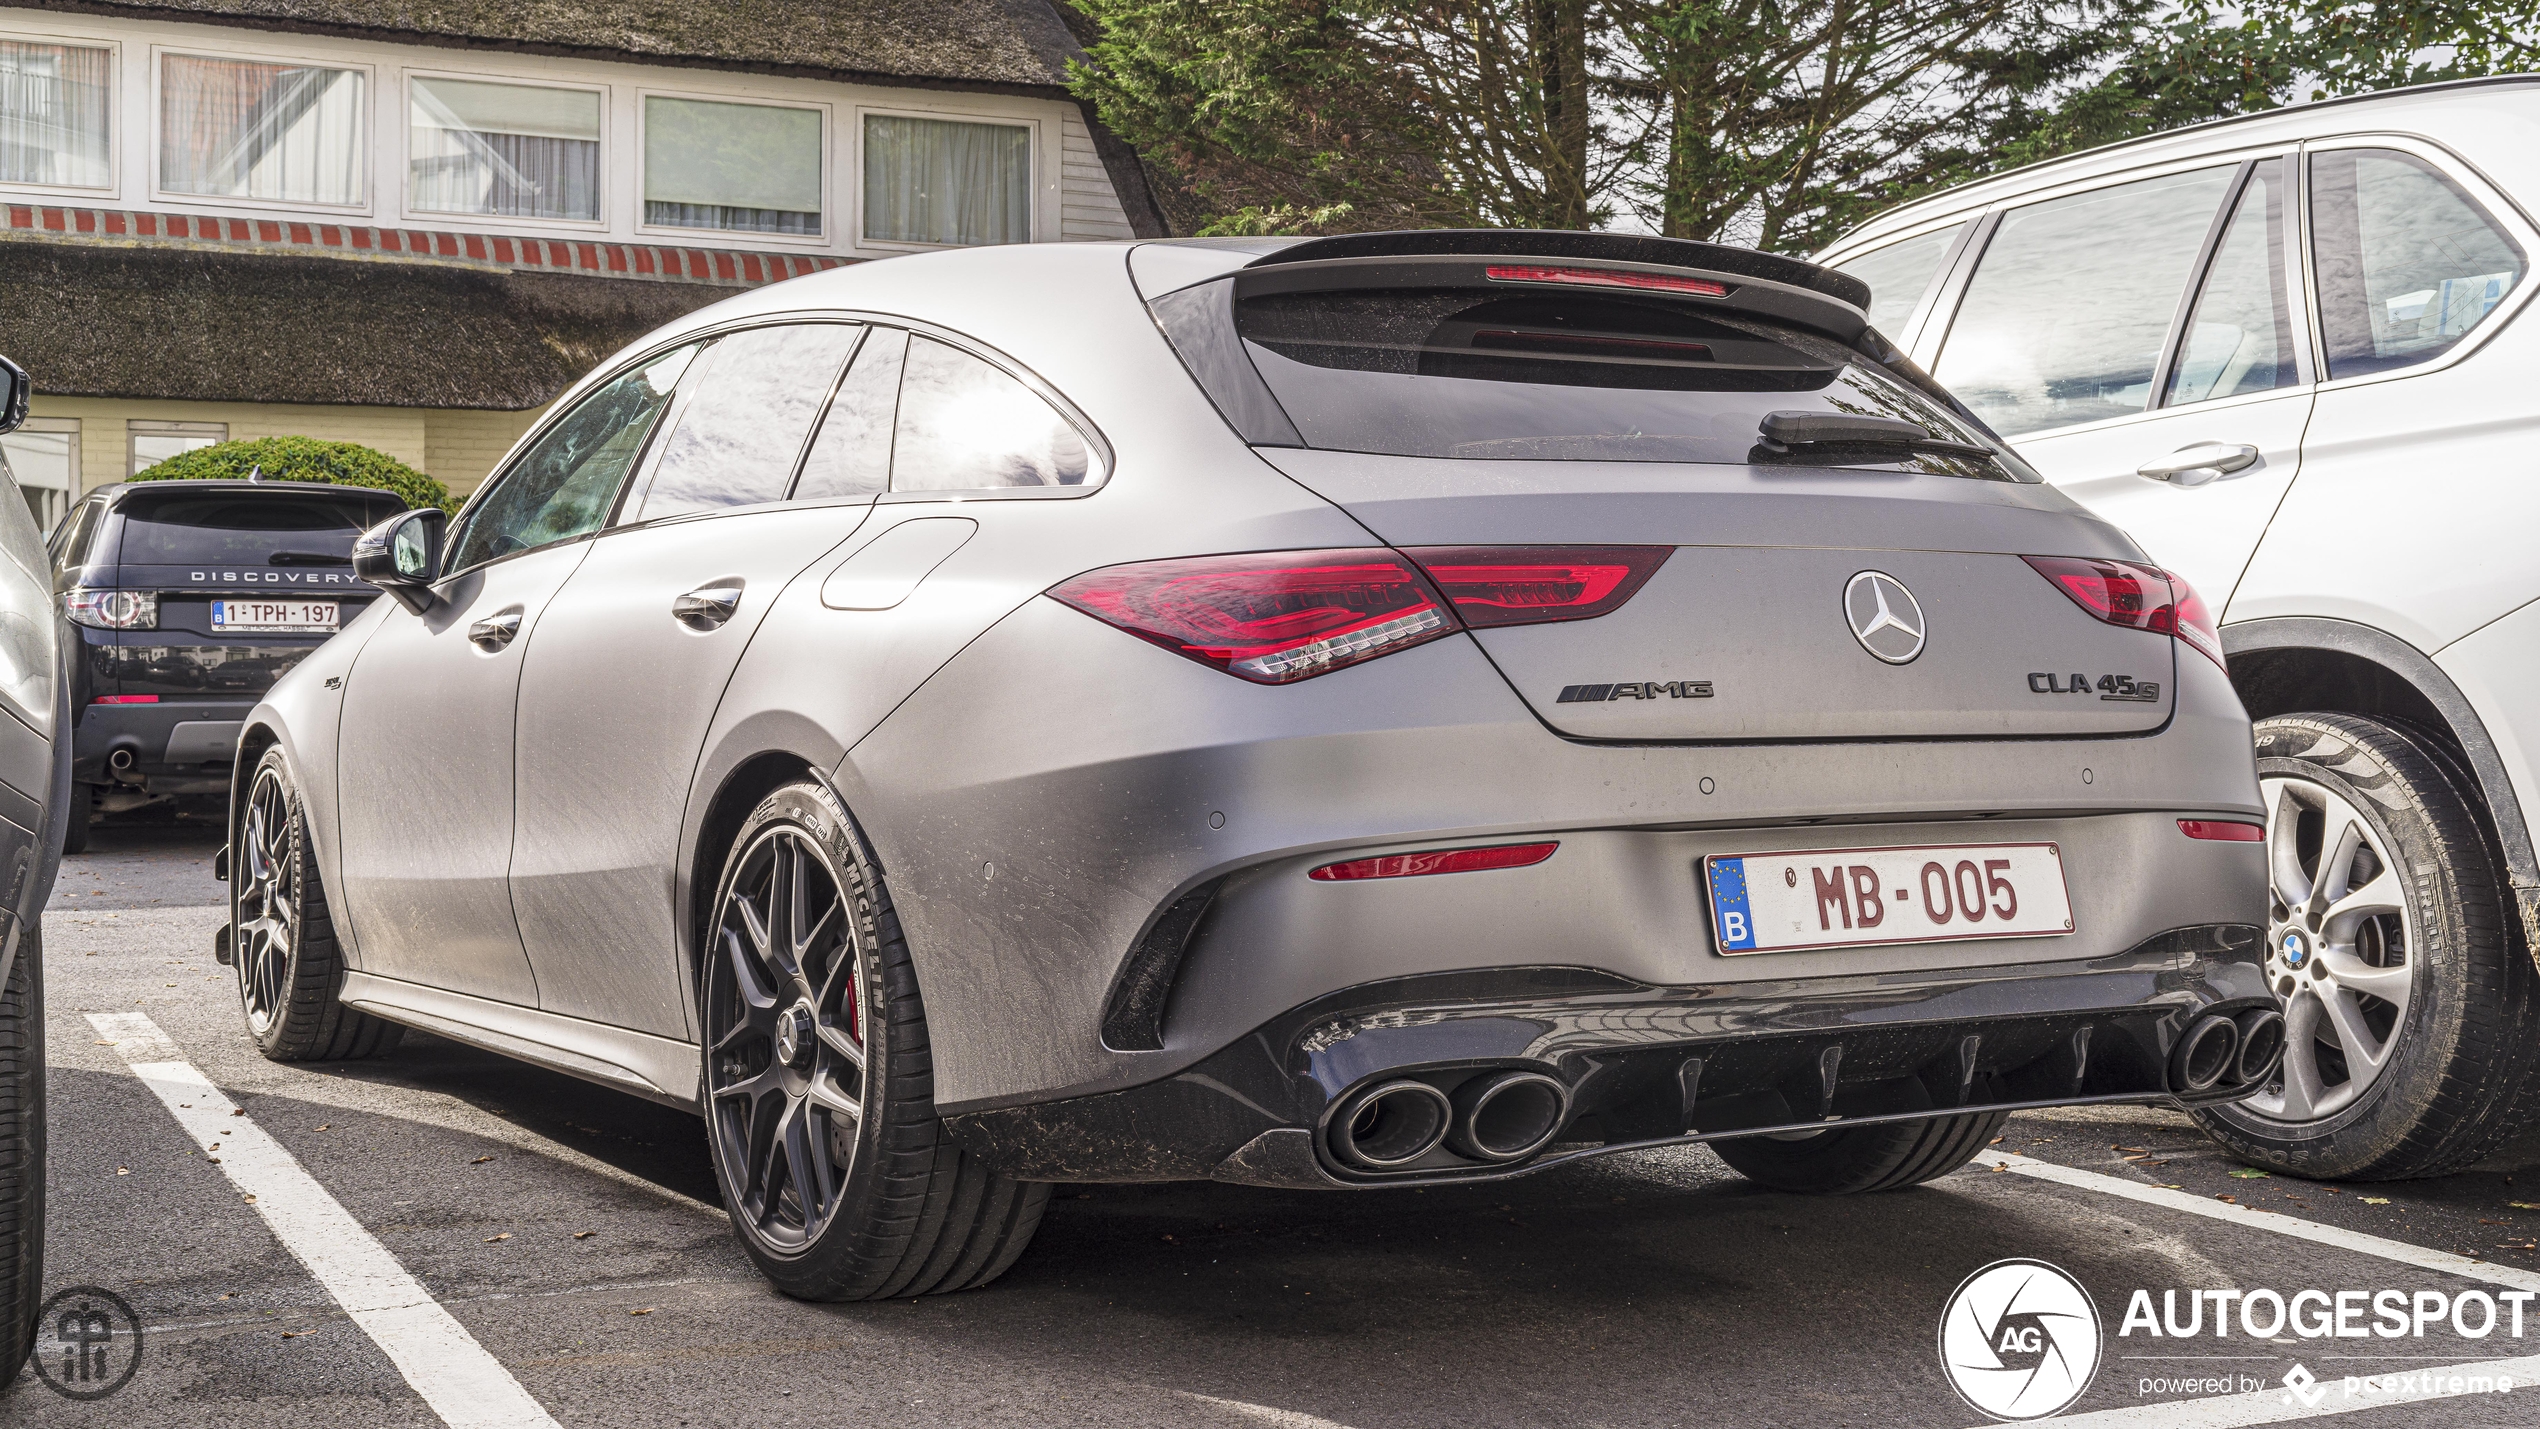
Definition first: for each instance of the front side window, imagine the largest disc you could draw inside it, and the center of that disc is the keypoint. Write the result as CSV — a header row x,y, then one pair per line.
x,y
965,425
749,168
2069,309
2407,262
55,114
514,150
938,181
2240,336
274,132
1899,274
742,426
563,487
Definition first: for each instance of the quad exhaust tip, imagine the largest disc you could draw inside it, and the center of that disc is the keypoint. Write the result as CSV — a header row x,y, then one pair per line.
x,y
1507,1116
2208,1053
2261,1046
1391,1125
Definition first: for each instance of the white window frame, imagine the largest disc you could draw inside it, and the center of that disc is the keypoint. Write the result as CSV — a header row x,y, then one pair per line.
x,y
114,112
1038,161
59,427
404,149
736,237
217,431
370,149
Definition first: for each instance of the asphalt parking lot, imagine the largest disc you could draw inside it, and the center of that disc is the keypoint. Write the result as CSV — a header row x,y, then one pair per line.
x,y
573,1237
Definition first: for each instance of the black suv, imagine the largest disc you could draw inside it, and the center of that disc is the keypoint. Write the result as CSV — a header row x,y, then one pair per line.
x,y
188,600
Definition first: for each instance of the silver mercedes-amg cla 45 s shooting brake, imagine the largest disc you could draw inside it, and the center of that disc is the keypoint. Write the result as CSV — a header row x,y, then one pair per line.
x,y
1368,712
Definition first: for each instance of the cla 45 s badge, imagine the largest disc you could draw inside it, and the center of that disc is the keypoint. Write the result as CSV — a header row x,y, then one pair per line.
x,y
2109,687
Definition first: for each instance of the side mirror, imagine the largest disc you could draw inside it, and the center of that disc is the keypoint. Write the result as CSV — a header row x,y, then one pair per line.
x,y
14,389
402,556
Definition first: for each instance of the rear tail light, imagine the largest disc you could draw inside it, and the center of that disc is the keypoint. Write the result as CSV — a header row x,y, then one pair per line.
x,y
2136,596
1456,860
1605,278
1531,585
1272,618
1277,617
112,609
2223,831
125,700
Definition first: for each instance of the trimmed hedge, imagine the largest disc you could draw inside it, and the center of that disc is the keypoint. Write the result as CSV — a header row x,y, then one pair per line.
x,y
304,459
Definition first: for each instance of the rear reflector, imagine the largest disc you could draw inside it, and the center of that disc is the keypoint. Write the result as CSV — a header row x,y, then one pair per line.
x,y
1533,585
125,700
2136,596
2223,831
1457,860
1605,278
1272,618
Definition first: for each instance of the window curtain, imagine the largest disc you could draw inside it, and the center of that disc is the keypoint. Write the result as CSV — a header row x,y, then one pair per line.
x,y
239,129
54,115
934,181
753,168
519,151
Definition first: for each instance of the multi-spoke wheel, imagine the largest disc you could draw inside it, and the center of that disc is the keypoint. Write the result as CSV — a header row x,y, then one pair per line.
x,y
818,1076
2406,997
282,936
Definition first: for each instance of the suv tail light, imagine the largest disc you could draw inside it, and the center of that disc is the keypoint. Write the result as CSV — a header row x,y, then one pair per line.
x,y
112,609
1531,585
1277,617
2136,596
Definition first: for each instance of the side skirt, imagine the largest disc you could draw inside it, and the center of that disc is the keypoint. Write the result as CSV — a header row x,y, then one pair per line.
x,y
656,1068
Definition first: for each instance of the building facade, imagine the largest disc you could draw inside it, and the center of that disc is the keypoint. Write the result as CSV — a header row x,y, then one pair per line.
x,y
412,224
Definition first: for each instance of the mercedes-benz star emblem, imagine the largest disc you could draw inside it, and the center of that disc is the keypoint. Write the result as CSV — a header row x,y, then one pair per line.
x,y
1885,617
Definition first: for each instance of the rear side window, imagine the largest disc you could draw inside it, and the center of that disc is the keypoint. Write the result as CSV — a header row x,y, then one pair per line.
x,y
246,530
1900,274
2407,262
1554,376
965,425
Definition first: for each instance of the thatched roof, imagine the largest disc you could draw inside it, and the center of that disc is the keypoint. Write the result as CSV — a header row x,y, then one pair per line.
x,y
1002,44
92,321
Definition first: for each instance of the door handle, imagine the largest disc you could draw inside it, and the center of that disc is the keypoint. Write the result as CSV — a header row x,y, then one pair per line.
x,y
707,606
495,631
2201,463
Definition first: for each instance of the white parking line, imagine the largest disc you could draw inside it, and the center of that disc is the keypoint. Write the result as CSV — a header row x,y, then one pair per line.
x,y
1270,1415
2278,1405
2272,1222
462,1383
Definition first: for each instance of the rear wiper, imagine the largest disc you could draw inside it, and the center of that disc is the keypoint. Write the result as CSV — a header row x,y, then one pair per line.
x,y
307,558
1789,433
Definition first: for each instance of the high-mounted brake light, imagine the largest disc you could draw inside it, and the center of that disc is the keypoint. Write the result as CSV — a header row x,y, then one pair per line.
x,y
1605,278
1454,860
2136,596
1532,585
2223,831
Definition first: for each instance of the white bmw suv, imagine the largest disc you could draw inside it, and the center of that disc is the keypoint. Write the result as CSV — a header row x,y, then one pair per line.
x,y
2287,353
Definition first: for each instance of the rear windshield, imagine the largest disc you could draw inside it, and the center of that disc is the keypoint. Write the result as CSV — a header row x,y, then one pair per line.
x,y
249,530
1455,372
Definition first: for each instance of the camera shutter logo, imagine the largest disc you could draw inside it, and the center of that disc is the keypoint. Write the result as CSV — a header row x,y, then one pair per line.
x,y
87,1343
2020,1339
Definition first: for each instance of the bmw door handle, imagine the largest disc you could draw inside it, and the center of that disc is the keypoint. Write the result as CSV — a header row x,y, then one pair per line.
x,y
707,606
494,631
2199,464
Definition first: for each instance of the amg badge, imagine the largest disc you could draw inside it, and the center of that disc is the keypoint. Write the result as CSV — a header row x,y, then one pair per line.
x,y
1635,690
2109,687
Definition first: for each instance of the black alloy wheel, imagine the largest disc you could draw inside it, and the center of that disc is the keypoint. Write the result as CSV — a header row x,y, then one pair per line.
x,y
282,934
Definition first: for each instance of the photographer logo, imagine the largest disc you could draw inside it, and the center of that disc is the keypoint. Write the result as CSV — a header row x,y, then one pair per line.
x,y
87,1343
2019,1339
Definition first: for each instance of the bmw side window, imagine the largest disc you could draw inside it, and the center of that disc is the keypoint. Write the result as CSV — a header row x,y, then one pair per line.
x,y
564,485
1900,274
2240,335
2407,263
964,425
851,455
2069,309
748,410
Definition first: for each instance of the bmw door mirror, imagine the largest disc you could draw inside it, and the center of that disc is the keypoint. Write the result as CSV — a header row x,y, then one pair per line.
x,y
13,394
402,556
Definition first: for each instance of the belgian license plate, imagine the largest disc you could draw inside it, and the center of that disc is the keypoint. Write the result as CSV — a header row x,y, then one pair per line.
x,y
1864,897
277,615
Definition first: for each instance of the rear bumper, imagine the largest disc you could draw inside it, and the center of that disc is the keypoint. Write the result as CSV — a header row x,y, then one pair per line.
x,y
1649,1066
173,740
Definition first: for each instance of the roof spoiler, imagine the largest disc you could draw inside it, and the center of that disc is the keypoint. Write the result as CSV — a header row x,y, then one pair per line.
x,y
1592,247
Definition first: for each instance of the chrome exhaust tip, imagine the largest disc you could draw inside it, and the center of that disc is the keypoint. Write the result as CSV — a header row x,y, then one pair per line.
x,y
1507,1116
1390,1125
2261,1046
2204,1056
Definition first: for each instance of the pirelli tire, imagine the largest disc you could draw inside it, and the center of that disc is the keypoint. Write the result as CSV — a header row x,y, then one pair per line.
x,y
2409,998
